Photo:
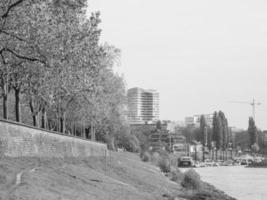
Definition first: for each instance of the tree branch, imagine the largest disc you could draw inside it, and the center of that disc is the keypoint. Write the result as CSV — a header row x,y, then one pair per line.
x,y
10,8
22,56
12,35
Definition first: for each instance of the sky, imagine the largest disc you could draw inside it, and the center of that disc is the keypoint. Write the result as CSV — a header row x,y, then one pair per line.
x,y
199,54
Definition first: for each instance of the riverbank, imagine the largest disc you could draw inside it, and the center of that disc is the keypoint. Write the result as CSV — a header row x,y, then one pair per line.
x,y
121,176
262,164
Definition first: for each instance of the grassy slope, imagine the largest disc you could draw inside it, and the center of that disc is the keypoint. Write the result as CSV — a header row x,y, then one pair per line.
x,y
122,177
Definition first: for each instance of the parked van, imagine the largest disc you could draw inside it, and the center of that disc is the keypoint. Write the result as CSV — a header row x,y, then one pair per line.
x,y
245,161
185,162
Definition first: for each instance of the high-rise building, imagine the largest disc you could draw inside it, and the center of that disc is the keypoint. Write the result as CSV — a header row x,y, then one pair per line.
x,y
143,106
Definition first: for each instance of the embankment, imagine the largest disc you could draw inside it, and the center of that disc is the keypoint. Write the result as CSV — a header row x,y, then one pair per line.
x,y
119,176
20,140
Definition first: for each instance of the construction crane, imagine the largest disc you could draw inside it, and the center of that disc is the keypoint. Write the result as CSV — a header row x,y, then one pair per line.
x,y
253,104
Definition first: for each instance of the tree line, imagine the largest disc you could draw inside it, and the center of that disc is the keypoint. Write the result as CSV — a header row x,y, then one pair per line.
x,y
55,70
220,136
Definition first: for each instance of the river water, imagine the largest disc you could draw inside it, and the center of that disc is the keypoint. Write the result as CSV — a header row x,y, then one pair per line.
x,y
237,181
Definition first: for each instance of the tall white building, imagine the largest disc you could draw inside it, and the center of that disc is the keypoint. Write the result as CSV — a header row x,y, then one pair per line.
x,y
143,106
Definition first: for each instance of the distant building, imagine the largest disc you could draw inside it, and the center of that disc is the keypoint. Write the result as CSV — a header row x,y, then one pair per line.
x,y
175,126
164,139
195,120
143,106
265,136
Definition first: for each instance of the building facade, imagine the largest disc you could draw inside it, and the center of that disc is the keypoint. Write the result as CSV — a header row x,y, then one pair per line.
x,y
143,106
195,120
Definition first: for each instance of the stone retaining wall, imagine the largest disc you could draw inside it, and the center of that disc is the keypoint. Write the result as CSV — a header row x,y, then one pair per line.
x,y
17,140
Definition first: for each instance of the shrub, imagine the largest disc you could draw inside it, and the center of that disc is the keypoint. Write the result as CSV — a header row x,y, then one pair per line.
x,y
176,175
127,141
3,179
131,143
109,140
164,164
191,180
155,157
145,156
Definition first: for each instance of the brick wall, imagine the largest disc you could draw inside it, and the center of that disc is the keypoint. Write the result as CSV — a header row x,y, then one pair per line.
x,y
23,140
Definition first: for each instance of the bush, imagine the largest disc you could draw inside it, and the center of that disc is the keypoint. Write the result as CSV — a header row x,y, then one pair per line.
x,y
128,142
155,157
164,164
191,180
131,143
176,175
145,156
109,140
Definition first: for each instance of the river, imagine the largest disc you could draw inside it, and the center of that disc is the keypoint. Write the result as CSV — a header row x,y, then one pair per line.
x,y
237,181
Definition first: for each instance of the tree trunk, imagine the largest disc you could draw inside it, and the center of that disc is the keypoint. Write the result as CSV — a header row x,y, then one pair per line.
x,y
43,123
71,128
203,152
5,107
34,120
74,129
17,104
82,131
63,123
58,127
38,117
92,132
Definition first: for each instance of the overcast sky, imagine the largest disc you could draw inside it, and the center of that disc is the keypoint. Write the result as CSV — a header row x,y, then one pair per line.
x,y
199,54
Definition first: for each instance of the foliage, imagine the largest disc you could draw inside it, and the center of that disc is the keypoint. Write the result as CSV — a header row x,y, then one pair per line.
x,y
220,130
158,125
252,132
203,130
164,164
242,139
255,147
191,180
51,60
142,133
145,156
191,133
176,175
128,142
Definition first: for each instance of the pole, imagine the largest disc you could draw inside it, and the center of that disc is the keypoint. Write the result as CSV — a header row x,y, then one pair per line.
x,y
253,109
106,165
203,153
195,152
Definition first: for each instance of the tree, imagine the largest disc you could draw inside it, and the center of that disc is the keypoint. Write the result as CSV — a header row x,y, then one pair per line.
x,y
204,134
252,132
159,125
217,130
255,148
191,134
203,130
52,60
220,131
